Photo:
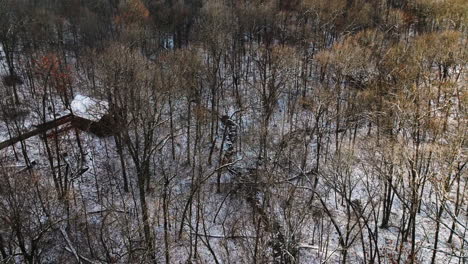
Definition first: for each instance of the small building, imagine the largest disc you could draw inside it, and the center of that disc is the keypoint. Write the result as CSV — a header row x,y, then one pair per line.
x,y
93,115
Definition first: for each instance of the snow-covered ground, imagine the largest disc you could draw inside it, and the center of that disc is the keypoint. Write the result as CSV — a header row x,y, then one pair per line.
x,y
261,197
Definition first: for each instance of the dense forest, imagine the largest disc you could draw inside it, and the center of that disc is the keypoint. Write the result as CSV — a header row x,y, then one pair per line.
x,y
233,131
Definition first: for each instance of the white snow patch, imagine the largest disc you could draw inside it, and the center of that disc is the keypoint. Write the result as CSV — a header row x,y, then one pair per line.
x,y
89,108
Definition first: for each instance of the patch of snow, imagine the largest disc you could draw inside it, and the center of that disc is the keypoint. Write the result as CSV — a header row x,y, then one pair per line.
x,y
3,67
89,108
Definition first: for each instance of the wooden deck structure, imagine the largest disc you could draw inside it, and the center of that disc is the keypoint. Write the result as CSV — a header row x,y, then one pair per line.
x,y
39,129
86,114
105,127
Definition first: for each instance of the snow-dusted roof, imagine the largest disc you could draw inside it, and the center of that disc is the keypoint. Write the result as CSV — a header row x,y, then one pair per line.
x,y
89,108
